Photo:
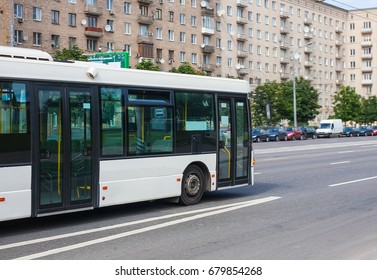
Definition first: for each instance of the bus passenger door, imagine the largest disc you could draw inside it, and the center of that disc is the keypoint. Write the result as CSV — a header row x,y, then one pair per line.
x,y
64,158
234,149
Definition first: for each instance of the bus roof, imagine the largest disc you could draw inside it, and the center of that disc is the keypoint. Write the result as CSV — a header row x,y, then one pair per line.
x,y
95,73
23,53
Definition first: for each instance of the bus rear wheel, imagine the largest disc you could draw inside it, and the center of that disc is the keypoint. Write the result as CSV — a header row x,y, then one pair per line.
x,y
192,186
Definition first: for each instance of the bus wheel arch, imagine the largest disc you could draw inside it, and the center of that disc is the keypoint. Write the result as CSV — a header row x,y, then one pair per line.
x,y
195,182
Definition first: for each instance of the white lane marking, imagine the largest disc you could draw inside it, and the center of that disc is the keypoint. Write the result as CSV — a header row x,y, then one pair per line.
x,y
340,162
146,229
368,146
345,152
354,181
67,235
257,173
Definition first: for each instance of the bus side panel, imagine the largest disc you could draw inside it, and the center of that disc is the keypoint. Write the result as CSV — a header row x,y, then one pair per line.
x,y
132,180
15,192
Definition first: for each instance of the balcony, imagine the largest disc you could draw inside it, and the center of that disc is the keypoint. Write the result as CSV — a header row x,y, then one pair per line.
x,y
338,29
339,82
208,31
284,45
284,30
242,3
144,19
145,39
285,60
241,37
207,10
242,71
366,44
308,36
366,30
308,49
338,56
308,21
208,49
338,43
92,10
241,54
146,2
366,69
242,20
366,56
285,76
367,82
93,32
208,67
308,63
284,14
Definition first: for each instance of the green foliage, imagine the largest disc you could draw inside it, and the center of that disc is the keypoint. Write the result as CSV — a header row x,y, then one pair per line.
x,y
347,105
267,104
147,64
368,112
186,68
75,53
307,107
273,102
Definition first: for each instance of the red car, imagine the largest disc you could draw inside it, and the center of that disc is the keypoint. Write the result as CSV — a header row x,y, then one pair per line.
x,y
294,134
374,130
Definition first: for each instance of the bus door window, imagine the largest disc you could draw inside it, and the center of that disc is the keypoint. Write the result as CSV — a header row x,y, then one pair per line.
x,y
51,147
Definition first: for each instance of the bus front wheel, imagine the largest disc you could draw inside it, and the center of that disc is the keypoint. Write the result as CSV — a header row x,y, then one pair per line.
x,y
192,186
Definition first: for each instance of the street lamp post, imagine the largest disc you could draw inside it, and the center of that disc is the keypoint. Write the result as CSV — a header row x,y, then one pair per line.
x,y
296,56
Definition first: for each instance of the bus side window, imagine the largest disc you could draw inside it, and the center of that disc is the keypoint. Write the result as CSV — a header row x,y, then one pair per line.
x,y
14,123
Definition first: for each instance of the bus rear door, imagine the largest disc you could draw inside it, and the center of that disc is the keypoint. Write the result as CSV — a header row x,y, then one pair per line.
x,y
234,153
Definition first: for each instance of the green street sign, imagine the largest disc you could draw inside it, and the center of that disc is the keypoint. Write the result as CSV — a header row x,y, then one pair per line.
x,y
123,58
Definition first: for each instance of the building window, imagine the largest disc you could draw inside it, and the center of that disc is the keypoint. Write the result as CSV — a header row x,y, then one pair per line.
x,y
55,41
171,16
194,58
18,36
159,33
182,18
71,19
127,28
37,14
182,37
182,57
18,10
158,14
55,17
37,38
127,8
91,45
171,35
109,5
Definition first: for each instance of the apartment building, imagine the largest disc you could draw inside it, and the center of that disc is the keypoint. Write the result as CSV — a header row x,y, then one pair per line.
x,y
255,40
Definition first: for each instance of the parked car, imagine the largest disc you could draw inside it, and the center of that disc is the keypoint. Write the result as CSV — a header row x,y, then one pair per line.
x,y
308,132
294,134
366,130
277,134
350,131
374,130
259,134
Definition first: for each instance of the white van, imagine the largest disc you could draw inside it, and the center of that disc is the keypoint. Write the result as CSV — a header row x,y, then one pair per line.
x,y
330,128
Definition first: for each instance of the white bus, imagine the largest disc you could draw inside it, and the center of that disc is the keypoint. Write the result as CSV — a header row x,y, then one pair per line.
x,y
78,135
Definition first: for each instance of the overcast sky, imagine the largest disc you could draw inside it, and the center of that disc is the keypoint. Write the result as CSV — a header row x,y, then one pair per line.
x,y
353,4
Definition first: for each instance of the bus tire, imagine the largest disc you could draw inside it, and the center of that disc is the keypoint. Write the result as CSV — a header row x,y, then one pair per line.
x,y
192,186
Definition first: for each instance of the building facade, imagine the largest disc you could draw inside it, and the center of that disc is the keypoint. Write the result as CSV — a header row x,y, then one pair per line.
x,y
255,40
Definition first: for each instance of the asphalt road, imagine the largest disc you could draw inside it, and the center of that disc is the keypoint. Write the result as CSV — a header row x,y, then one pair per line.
x,y
312,200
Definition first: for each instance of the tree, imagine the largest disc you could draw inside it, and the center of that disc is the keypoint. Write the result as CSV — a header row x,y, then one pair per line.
x,y
368,113
347,105
74,53
307,107
268,106
147,64
186,68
